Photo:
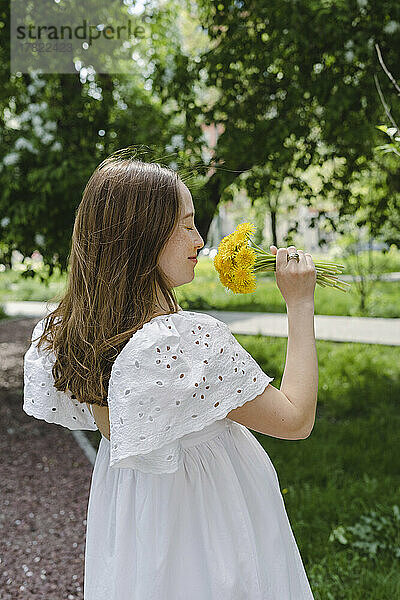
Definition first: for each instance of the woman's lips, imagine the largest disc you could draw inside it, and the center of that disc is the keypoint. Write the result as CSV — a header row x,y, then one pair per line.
x,y
193,260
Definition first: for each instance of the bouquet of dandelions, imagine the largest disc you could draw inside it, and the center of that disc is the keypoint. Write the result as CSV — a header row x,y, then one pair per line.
x,y
239,258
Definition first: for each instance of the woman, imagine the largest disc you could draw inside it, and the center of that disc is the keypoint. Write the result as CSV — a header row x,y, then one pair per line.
x,y
184,502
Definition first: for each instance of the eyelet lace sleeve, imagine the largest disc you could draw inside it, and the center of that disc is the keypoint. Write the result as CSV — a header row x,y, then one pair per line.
x,y
42,400
176,375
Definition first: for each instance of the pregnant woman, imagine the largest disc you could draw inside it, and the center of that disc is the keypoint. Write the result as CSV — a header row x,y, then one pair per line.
x,y
184,501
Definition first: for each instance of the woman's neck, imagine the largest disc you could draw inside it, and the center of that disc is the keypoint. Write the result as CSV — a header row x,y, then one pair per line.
x,y
161,307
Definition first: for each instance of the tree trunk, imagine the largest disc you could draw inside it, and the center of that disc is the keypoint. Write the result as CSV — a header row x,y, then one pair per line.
x,y
273,228
210,195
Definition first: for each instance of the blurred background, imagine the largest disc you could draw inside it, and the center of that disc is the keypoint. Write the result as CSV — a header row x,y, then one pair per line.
x,y
280,114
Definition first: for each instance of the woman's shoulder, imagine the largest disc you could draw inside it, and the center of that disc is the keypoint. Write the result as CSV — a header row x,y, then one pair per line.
x,y
180,327
180,321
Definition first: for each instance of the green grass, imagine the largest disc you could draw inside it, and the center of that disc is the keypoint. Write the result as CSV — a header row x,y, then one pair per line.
x,y
349,466
206,292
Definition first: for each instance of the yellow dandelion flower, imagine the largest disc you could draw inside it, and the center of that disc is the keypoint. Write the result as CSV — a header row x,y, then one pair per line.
x,y
227,268
225,279
225,240
250,288
223,263
243,280
246,257
228,250
233,287
241,275
245,230
238,239
218,262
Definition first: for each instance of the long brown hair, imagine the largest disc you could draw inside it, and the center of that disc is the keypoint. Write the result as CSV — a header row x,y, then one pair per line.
x,y
128,211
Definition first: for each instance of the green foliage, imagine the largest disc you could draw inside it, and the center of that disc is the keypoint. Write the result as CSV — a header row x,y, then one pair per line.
x,y
346,575
3,314
55,129
42,178
366,267
346,371
375,533
291,85
392,132
394,145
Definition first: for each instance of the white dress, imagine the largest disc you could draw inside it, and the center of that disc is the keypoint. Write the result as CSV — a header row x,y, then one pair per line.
x,y
184,502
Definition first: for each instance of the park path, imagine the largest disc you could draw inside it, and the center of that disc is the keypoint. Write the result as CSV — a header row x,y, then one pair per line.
x,y
44,489
364,330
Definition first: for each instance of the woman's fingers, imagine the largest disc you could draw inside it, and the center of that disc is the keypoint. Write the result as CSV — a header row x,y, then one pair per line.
x,y
283,262
281,257
309,259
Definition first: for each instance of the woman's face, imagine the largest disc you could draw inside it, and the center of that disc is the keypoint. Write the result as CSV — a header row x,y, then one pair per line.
x,y
184,242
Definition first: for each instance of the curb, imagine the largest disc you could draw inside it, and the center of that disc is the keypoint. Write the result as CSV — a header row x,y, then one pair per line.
x,y
85,445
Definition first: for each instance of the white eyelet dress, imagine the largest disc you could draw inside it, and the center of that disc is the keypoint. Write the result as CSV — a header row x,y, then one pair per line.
x,y
184,502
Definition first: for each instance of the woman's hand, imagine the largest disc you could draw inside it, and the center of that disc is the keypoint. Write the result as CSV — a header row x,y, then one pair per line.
x,y
295,280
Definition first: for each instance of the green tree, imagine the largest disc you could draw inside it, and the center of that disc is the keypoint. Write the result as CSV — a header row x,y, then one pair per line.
x,y
55,129
276,72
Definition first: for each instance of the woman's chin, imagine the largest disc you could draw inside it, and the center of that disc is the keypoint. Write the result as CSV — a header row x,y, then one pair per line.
x,y
187,279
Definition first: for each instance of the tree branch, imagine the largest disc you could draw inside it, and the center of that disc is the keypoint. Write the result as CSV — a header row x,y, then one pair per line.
x,y
392,79
385,106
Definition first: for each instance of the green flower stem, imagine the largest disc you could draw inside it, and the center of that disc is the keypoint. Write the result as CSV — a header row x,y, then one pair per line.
x,y
326,271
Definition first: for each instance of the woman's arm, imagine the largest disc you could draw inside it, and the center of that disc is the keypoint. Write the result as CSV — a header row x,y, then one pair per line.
x,y
300,377
288,413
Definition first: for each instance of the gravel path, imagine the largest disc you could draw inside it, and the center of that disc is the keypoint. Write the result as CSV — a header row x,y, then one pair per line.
x,y
44,489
